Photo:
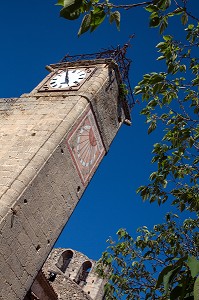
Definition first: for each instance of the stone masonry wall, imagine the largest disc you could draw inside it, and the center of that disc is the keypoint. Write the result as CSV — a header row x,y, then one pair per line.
x,y
67,289
39,182
41,199
65,283
41,289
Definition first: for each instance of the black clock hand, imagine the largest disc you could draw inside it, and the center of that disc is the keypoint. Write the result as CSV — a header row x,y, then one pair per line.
x,y
66,77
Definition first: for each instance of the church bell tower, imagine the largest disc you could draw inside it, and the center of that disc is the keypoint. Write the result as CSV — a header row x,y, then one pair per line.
x,y
52,141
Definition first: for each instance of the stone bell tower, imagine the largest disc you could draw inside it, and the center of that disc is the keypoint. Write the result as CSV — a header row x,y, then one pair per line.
x,y
51,143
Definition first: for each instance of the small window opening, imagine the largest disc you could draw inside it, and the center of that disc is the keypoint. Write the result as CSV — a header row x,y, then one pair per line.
x,y
83,273
64,260
38,247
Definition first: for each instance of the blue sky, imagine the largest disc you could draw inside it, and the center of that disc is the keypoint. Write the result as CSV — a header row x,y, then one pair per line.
x,y
32,36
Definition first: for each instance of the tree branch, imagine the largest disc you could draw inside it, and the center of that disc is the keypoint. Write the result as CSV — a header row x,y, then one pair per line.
x,y
188,13
126,6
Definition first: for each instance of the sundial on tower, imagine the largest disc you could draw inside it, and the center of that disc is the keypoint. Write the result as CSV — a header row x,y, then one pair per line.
x,y
86,146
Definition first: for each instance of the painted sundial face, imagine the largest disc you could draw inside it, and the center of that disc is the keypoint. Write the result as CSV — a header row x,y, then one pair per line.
x,y
67,78
86,146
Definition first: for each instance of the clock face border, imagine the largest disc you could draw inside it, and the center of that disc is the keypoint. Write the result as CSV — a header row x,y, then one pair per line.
x,y
86,147
46,87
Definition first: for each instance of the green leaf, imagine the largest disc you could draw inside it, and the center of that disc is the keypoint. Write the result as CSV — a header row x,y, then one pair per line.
x,y
159,45
109,260
152,127
154,22
169,272
137,90
71,9
178,11
115,16
162,274
85,25
161,57
184,18
97,17
60,2
196,160
164,184
167,37
167,3
68,3
151,8
66,14
168,277
193,265
162,4
196,289
163,24
190,26
170,68
191,141
153,175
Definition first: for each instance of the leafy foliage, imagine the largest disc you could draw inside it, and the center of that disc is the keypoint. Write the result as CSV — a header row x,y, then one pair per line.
x,y
173,101
97,10
171,97
94,14
159,264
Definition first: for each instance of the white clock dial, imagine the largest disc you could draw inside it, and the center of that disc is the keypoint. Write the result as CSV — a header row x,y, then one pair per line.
x,y
67,78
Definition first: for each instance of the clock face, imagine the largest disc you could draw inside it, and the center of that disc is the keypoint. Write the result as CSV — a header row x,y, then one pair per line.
x,y
67,78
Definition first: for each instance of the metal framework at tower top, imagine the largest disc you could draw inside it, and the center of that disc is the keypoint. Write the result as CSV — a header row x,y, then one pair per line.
x,y
117,54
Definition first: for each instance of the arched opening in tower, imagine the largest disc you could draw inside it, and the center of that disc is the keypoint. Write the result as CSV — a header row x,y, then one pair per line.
x,y
83,273
64,260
